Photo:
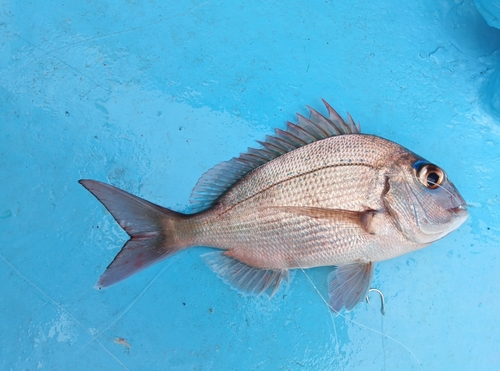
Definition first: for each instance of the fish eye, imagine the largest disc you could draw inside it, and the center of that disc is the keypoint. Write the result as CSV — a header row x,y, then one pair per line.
x,y
429,175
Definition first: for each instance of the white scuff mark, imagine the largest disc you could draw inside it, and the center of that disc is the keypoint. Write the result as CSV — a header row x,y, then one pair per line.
x,y
492,201
63,328
486,121
41,338
93,331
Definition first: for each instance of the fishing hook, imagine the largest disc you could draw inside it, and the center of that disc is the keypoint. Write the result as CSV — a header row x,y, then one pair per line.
x,y
382,300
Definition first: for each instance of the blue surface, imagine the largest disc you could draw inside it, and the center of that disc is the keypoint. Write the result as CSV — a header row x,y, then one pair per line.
x,y
490,10
149,95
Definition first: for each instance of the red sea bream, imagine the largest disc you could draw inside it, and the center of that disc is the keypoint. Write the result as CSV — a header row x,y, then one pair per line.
x,y
318,194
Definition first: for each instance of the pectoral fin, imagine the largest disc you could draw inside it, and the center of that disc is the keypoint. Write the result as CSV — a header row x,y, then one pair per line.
x,y
349,284
363,219
244,278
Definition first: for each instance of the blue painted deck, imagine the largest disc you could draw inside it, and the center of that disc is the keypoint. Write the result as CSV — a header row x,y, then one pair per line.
x,y
149,95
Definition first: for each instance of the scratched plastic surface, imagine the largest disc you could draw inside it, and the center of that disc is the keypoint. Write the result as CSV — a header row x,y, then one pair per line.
x,y
149,95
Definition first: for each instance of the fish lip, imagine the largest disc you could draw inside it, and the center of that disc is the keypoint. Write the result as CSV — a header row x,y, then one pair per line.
x,y
460,209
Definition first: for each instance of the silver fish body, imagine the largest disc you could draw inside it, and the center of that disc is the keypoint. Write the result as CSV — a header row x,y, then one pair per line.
x,y
319,194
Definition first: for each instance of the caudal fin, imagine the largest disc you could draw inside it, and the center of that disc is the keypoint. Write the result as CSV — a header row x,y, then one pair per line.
x,y
145,223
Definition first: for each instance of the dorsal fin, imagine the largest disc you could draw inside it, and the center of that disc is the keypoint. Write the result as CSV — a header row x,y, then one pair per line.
x,y
220,178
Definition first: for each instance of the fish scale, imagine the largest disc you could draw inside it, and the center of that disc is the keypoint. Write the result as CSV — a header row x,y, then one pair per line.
x,y
318,194
332,152
305,177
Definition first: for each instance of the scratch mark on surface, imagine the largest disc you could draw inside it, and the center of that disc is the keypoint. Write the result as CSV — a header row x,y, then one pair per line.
x,y
51,51
133,29
111,354
134,301
62,61
40,290
99,334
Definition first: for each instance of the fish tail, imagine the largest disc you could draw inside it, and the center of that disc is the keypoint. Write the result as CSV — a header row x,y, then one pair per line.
x,y
152,231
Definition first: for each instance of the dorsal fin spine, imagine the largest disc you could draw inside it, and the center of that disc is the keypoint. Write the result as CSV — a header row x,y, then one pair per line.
x,y
252,157
257,153
322,126
281,142
300,132
335,118
311,127
292,139
351,122
271,147
320,119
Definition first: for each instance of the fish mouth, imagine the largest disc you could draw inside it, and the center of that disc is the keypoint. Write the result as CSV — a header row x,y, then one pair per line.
x,y
460,210
461,214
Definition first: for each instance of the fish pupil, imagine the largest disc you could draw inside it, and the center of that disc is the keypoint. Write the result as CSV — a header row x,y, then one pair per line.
x,y
432,179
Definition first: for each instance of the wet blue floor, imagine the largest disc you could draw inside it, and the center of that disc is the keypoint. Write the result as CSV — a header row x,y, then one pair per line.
x,y
149,95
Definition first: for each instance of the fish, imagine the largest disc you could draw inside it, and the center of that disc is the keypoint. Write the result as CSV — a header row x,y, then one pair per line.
x,y
319,193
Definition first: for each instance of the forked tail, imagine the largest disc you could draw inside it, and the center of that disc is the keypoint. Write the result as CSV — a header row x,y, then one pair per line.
x,y
151,229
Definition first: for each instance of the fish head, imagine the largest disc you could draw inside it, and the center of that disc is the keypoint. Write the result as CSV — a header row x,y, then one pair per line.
x,y
424,203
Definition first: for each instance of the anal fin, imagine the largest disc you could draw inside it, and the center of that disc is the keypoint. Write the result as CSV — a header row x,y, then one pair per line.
x,y
349,284
244,278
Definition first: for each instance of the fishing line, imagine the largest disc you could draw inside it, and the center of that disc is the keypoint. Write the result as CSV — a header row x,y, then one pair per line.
x,y
360,324
136,299
440,186
61,308
95,337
